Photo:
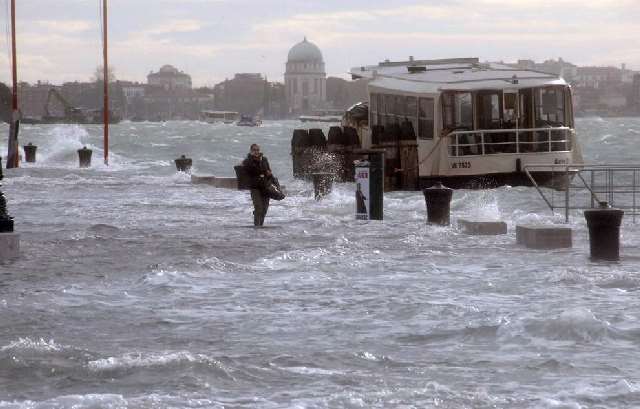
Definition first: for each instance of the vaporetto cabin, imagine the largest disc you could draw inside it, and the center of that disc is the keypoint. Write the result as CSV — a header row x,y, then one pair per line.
x,y
472,122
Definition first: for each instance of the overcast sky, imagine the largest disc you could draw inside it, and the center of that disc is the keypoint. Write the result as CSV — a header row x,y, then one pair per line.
x,y
59,40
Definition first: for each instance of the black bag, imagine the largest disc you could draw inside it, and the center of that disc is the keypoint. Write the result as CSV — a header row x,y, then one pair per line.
x,y
272,189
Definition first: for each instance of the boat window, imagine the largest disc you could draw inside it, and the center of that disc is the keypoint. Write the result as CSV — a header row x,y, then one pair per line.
x,y
373,109
549,103
457,111
412,112
425,118
390,109
489,110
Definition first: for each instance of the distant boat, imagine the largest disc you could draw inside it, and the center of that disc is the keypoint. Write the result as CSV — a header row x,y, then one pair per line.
x,y
246,120
327,115
227,117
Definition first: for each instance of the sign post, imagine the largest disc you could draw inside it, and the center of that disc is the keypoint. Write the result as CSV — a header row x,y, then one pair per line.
x,y
369,178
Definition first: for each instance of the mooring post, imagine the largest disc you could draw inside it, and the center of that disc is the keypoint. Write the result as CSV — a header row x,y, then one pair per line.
x,y
322,184
604,232
84,156
30,152
183,164
438,201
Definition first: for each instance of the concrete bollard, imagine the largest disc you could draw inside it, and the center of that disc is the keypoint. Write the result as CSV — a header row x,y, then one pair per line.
x,y
84,156
30,152
322,184
604,232
183,164
438,201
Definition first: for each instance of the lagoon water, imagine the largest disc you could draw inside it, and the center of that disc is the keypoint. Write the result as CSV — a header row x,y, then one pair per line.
x,y
138,289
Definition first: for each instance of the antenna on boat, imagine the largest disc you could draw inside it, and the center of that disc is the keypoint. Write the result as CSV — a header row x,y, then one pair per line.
x,y
13,158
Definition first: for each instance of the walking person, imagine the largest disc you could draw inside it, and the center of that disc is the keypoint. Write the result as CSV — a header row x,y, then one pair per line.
x,y
257,166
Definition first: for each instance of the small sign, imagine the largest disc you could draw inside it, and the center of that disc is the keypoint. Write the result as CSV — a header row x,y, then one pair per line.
x,y
363,210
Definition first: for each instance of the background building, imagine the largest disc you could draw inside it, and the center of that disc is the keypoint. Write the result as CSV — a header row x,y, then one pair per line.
x,y
305,78
169,78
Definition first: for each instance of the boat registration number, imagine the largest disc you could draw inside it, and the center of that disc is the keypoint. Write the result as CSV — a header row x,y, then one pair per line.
x,y
460,165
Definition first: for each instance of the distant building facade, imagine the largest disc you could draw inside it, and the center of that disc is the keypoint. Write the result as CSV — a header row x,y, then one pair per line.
x,y
305,78
558,67
251,94
169,78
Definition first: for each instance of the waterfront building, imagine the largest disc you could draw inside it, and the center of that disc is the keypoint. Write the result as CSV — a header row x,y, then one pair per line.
x,y
305,78
251,94
169,78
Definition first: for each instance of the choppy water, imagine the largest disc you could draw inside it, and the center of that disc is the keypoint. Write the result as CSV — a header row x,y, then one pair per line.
x,y
137,289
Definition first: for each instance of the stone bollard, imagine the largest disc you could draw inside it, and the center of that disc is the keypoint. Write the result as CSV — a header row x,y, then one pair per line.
x,y
183,164
438,200
604,232
30,152
322,184
84,155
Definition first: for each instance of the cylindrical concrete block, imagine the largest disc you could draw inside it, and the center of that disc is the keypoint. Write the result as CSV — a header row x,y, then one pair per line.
x,y
30,152
322,184
438,200
604,232
183,164
84,156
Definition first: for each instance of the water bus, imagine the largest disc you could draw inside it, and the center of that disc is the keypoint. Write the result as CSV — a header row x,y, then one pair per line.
x,y
227,117
475,123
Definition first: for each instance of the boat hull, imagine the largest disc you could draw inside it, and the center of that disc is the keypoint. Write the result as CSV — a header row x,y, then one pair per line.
x,y
553,180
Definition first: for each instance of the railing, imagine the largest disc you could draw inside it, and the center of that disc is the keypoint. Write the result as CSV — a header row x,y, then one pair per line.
x,y
496,141
588,185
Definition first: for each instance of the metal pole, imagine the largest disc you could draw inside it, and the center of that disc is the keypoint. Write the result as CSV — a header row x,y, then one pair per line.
x,y
105,110
13,160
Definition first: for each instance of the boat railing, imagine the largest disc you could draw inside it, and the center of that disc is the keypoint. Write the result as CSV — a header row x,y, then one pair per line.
x,y
497,141
586,186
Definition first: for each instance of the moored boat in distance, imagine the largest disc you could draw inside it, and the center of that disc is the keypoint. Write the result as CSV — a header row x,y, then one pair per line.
x,y
227,117
247,120
475,124
325,115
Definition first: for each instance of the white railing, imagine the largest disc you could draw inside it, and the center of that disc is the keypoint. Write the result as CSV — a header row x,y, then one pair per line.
x,y
497,141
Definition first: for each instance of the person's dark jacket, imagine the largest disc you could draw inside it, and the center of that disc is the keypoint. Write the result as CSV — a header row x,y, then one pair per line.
x,y
258,169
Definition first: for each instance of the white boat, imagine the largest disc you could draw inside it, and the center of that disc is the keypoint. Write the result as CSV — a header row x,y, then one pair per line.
x,y
227,117
327,115
475,122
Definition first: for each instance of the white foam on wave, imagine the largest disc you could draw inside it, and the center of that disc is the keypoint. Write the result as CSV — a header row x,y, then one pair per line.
x,y
40,345
139,360
90,401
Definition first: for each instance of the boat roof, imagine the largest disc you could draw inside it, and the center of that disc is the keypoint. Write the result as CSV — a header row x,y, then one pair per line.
x,y
456,74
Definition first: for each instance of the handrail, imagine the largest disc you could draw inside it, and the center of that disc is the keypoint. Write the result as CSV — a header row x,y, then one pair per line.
x,y
516,141
616,184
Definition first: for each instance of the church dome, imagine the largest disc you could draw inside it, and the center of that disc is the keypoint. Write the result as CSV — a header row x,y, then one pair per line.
x,y
168,69
305,51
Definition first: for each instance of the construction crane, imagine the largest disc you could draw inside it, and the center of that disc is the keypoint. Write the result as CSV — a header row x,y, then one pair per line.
x,y
71,114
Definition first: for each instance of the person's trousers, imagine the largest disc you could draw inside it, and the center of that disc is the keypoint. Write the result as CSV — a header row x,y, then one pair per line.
x,y
260,206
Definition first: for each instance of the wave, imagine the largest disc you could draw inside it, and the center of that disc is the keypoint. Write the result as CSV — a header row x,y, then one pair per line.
x,y
151,360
